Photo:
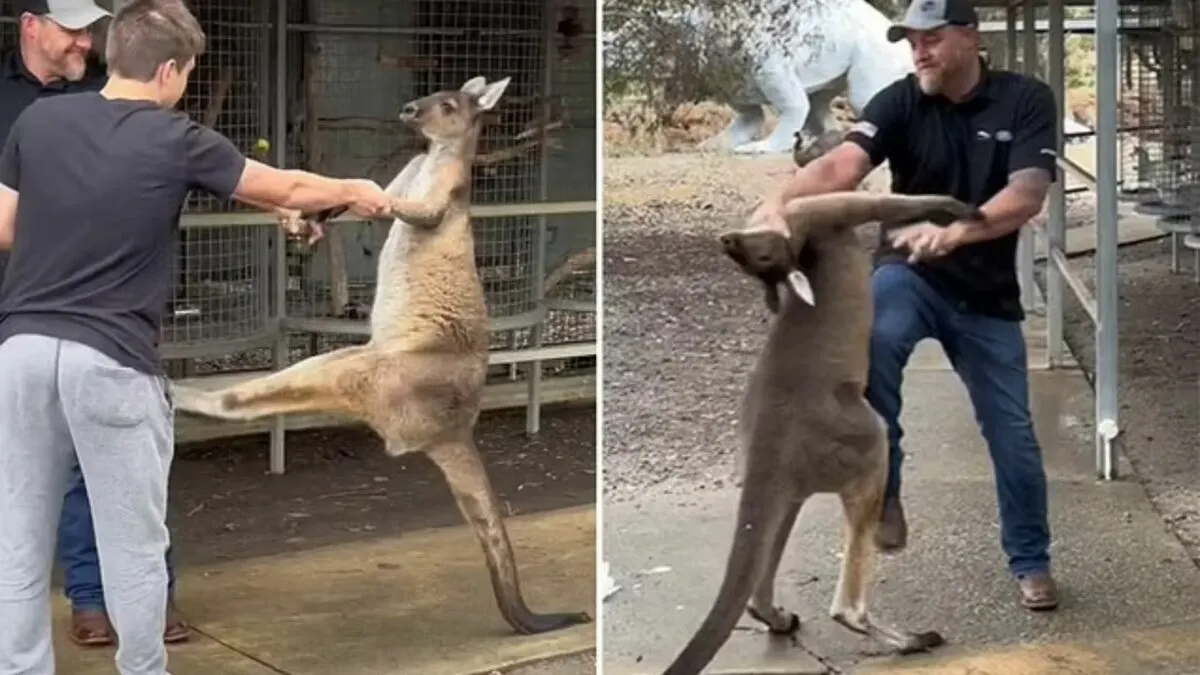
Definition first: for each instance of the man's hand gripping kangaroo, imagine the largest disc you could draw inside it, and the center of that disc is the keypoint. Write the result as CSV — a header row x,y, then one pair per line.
x,y
419,379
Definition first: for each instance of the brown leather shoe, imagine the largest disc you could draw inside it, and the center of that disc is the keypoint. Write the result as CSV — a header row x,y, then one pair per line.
x,y
93,629
892,535
1039,593
177,629
90,628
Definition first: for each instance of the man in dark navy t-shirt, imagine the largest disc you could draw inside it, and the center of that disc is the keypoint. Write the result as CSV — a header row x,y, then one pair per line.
x,y
53,56
91,188
985,137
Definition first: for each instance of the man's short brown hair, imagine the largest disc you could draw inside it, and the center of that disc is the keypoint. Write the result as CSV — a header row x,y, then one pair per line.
x,y
148,33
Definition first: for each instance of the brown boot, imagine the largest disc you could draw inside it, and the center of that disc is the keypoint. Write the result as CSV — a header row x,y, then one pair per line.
x,y
892,535
90,628
1039,593
177,629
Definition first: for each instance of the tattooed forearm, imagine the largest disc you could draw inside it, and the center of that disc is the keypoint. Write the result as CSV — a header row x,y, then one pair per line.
x,y
1013,206
1032,184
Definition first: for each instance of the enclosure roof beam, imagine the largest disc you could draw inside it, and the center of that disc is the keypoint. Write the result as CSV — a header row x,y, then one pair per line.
x,y
1085,26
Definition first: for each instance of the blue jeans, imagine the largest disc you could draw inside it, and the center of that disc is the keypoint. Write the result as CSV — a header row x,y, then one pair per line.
x,y
989,356
77,550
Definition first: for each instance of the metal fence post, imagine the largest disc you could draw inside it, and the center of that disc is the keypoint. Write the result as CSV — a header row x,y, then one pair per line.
x,y
1025,241
1056,230
278,450
1107,427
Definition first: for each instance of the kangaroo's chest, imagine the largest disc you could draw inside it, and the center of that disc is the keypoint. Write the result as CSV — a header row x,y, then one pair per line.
x,y
392,285
414,182
417,187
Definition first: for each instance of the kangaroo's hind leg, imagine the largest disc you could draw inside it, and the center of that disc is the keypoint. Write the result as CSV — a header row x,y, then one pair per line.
x,y
862,501
464,471
762,604
764,502
332,382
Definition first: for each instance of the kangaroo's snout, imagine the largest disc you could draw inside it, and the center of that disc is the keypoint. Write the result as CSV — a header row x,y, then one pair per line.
x,y
409,112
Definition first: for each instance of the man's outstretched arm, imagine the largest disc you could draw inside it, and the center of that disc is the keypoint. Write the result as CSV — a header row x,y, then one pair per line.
x,y
8,216
842,168
866,146
10,173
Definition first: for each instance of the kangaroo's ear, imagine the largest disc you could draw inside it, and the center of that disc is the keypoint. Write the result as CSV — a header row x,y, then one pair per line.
x,y
474,86
491,94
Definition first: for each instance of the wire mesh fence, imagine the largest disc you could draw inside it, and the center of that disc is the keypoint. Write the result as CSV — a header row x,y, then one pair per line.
x,y
352,85
348,82
350,66
8,29
1160,110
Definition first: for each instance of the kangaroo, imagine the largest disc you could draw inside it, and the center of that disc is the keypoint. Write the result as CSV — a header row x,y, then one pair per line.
x,y
419,379
805,424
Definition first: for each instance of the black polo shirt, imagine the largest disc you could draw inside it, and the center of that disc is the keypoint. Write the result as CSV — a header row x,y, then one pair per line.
x,y
101,184
19,88
967,150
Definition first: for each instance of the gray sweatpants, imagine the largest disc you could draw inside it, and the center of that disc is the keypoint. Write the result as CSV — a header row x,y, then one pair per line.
x,y
55,395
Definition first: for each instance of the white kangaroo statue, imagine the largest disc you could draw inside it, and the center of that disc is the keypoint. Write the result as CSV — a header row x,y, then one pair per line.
x,y
800,76
801,59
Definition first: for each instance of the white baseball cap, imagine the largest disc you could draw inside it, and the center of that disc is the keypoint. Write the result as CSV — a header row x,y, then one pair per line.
x,y
70,14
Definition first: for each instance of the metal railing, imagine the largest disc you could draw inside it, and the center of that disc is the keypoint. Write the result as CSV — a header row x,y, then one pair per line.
x,y
280,324
1102,307
321,80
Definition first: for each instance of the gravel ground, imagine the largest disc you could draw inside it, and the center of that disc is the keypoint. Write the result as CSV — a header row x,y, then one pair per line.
x,y
1159,368
682,329
340,486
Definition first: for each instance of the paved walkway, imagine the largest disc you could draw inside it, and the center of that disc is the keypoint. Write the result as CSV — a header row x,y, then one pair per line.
x,y
420,604
1129,590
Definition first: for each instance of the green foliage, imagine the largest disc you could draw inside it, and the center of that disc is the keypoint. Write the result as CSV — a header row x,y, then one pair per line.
x,y
655,58
1081,62
669,52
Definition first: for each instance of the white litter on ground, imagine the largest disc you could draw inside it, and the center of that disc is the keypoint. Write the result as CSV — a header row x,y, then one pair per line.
x,y
610,587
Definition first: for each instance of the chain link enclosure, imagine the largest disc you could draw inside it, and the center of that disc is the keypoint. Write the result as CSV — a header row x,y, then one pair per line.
x,y
1160,58
348,67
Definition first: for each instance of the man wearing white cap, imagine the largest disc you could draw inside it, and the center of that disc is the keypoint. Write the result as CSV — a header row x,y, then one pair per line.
x,y
53,58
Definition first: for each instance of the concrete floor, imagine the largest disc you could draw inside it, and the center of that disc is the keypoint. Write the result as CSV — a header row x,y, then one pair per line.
x,y
1123,575
419,604
576,664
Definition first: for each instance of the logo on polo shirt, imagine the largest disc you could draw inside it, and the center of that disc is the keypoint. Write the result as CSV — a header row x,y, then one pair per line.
x,y
1004,135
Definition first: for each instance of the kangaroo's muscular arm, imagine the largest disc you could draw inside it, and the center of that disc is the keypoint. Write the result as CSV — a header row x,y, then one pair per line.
x,y
448,185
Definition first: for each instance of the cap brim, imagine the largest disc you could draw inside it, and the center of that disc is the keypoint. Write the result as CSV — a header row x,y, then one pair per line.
x,y
899,31
77,19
